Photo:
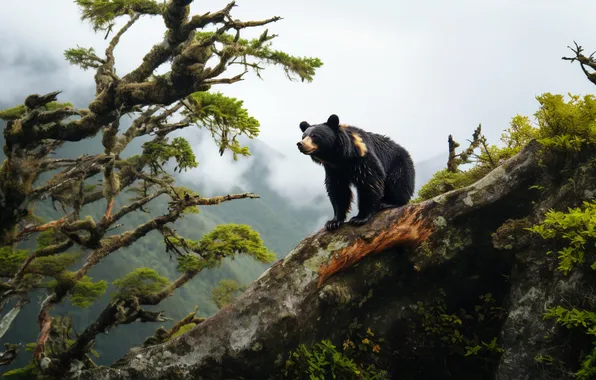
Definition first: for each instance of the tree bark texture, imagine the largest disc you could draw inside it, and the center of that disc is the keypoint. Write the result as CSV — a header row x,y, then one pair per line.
x,y
463,241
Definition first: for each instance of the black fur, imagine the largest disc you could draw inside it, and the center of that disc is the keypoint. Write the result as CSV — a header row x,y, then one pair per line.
x,y
383,177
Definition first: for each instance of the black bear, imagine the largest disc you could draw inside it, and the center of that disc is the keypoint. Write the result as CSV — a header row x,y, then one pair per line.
x,y
381,170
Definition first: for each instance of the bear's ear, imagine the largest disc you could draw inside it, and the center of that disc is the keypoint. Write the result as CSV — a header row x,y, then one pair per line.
x,y
304,126
333,122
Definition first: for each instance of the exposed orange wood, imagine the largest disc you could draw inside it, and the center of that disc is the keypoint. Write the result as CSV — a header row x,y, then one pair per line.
x,y
46,325
43,227
108,213
409,228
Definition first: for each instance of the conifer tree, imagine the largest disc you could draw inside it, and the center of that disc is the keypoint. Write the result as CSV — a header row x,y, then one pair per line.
x,y
202,51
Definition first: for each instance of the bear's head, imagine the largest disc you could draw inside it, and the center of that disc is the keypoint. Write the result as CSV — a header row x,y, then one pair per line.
x,y
319,140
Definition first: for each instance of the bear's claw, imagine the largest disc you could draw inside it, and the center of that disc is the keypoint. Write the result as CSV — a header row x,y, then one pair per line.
x,y
358,221
333,224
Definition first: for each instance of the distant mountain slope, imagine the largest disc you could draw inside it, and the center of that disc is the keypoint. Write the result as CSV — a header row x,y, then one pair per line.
x,y
426,168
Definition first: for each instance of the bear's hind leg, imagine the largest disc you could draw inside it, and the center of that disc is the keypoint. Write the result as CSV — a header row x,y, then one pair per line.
x,y
369,203
399,186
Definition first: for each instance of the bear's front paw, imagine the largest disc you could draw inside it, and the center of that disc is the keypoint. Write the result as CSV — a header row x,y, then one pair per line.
x,y
333,224
358,220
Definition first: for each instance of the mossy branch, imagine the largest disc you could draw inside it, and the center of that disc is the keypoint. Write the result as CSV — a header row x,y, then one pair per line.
x,y
455,160
119,312
185,324
178,32
112,243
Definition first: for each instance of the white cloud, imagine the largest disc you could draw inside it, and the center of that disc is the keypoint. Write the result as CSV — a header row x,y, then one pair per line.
x,y
218,174
416,71
297,177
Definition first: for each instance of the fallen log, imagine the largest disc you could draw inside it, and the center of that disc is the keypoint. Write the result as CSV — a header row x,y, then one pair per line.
x,y
298,298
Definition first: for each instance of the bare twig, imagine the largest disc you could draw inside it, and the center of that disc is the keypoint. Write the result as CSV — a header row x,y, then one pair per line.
x,y
234,79
583,61
43,227
116,39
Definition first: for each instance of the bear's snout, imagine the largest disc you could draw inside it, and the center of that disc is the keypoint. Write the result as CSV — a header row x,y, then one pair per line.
x,y
301,147
306,146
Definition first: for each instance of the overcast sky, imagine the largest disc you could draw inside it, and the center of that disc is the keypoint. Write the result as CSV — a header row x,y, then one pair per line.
x,y
415,71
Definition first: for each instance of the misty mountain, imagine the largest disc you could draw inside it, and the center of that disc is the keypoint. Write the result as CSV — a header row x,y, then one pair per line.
x,y
426,168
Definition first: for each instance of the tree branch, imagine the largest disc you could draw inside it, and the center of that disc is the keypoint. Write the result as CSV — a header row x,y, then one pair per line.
x,y
116,39
120,312
87,167
130,208
583,61
178,33
234,79
156,298
114,243
41,252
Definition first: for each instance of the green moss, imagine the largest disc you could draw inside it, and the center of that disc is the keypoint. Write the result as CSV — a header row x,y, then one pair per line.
x,y
444,181
510,233
83,293
336,294
182,192
452,240
52,106
424,249
13,113
183,329
440,222
323,254
19,111
257,347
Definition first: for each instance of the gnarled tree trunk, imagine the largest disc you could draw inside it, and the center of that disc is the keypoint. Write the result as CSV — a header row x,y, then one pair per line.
x,y
467,241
